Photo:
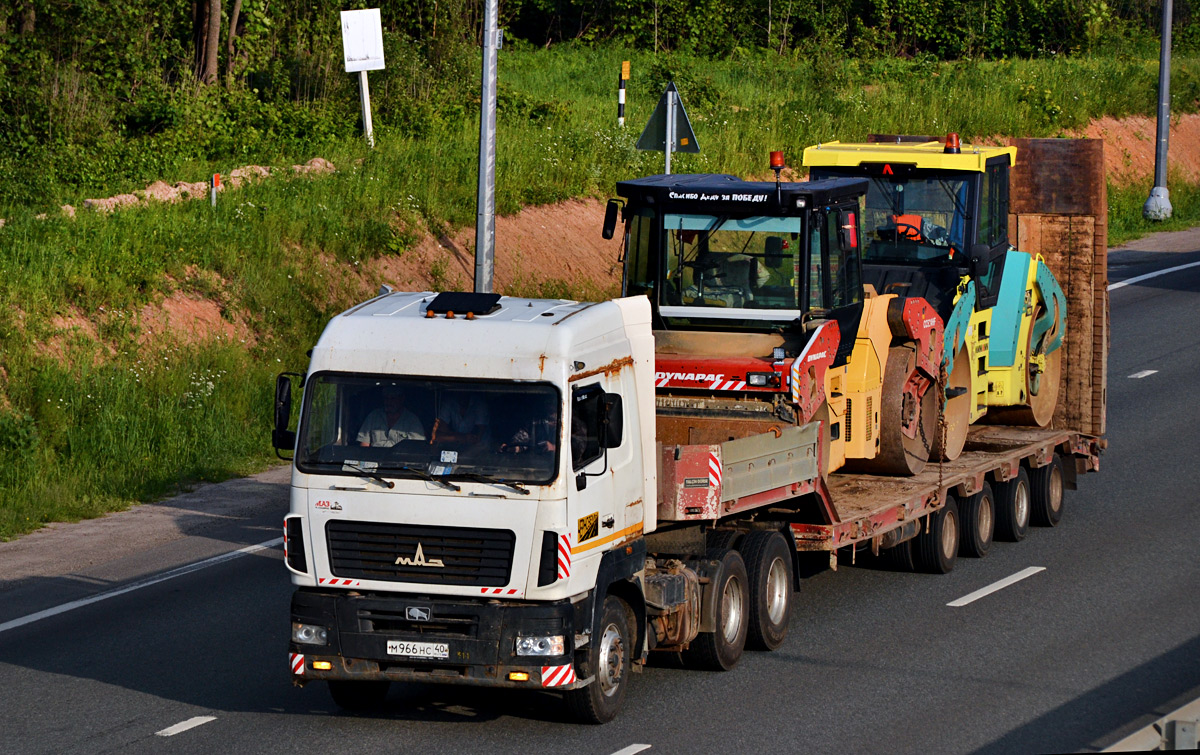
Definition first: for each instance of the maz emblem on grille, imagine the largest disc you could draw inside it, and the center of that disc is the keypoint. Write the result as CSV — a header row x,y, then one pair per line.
x,y
417,613
419,560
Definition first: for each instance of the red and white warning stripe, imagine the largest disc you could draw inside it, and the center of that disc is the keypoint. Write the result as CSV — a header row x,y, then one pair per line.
x,y
335,582
498,591
728,385
557,676
297,661
564,556
714,470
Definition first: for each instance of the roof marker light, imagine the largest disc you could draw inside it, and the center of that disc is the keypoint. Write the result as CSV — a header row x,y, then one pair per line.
x,y
777,163
952,144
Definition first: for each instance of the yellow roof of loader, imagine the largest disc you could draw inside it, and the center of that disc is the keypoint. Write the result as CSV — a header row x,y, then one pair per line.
x,y
930,154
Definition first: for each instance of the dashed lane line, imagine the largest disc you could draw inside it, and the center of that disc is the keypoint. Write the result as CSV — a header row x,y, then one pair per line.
x,y
632,750
1142,374
183,726
985,591
1148,276
172,574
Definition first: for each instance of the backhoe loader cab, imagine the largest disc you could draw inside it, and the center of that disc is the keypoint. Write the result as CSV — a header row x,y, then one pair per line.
x,y
717,252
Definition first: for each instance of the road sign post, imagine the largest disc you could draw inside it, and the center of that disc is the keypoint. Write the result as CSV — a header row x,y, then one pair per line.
x,y
669,128
362,49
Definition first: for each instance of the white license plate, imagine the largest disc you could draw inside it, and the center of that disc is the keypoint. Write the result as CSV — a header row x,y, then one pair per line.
x,y
419,649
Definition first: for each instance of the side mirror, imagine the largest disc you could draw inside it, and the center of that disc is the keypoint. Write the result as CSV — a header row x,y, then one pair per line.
x,y
612,423
610,218
281,437
979,260
848,230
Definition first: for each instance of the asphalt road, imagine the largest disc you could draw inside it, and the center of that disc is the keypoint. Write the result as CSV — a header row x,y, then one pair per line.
x,y
1104,640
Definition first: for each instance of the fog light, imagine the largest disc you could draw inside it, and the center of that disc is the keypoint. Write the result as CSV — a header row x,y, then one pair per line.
x,y
518,676
551,645
309,634
322,665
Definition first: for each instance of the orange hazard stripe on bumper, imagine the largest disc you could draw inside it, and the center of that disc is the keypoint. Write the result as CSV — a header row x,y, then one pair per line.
x,y
627,532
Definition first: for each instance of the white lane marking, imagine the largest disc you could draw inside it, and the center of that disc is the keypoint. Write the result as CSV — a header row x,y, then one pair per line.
x,y
1143,373
985,591
179,572
632,750
183,726
1147,276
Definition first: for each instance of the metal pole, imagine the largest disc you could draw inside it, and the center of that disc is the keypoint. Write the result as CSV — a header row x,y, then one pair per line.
x,y
364,94
1158,205
670,145
485,203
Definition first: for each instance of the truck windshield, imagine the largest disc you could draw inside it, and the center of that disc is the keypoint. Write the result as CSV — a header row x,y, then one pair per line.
x,y
416,426
732,263
914,219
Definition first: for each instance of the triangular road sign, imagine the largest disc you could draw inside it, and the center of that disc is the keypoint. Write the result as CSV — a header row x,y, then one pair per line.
x,y
655,135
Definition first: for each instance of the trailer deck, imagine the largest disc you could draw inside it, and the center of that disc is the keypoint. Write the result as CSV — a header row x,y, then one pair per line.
x,y
866,506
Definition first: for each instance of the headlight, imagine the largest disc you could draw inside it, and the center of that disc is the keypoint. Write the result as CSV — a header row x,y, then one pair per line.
x,y
552,645
309,634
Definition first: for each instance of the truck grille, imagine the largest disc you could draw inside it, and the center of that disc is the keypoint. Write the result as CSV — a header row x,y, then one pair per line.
x,y
420,553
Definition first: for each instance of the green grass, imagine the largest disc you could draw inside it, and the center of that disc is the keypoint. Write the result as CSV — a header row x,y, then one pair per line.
x,y
89,428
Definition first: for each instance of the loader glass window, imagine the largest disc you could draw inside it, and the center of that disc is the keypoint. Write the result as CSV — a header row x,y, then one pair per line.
x,y
639,268
921,218
993,206
430,428
731,263
844,284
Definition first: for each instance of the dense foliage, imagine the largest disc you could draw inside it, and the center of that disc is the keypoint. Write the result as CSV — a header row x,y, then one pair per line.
x,y
109,94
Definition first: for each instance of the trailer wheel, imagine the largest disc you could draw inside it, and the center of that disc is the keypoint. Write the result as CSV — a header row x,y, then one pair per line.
x,y
769,568
721,649
936,549
358,695
1046,488
900,557
1012,507
978,516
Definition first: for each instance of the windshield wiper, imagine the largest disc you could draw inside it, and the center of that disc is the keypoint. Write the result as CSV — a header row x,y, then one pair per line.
x,y
424,475
346,467
476,477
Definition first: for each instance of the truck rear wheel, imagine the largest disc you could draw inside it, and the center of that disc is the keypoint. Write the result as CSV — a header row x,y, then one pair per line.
x,y
935,550
358,695
1046,488
978,515
1012,507
721,649
609,659
769,570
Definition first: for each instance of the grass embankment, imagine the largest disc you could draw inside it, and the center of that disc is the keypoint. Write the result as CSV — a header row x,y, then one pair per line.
x,y
90,422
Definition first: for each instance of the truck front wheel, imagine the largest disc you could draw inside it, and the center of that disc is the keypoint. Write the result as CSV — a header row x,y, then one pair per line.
x,y
769,569
609,660
721,649
358,695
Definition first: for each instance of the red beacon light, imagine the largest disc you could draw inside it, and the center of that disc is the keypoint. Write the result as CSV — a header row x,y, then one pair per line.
x,y
952,144
777,161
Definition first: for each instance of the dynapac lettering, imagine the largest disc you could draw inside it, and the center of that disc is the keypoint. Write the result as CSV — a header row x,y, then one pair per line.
x,y
695,377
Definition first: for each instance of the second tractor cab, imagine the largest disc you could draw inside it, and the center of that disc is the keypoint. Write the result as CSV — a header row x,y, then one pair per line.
x,y
936,226
761,320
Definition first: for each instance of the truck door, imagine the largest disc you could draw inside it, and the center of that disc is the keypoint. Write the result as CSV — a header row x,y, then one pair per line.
x,y
835,272
609,498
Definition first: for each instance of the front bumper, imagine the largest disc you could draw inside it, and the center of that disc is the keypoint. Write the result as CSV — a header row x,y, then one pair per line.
x,y
481,635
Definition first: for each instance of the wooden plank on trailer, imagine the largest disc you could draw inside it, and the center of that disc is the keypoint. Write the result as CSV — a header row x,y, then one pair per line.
x,y
1058,177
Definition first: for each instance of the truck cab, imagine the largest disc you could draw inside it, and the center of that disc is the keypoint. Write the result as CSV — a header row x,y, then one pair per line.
x,y
468,469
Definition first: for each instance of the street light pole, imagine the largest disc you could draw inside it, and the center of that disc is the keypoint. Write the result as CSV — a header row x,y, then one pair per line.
x,y
485,204
1158,205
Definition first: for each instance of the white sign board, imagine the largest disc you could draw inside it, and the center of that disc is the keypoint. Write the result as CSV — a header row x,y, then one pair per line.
x,y
362,40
